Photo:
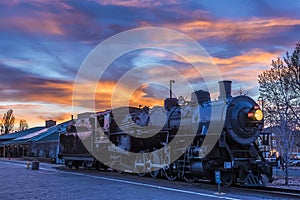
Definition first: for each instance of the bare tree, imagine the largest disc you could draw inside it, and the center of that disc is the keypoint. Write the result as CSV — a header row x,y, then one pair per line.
x,y
293,78
23,125
1,129
8,121
280,92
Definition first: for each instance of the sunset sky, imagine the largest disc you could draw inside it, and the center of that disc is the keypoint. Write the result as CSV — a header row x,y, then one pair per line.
x,y
43,44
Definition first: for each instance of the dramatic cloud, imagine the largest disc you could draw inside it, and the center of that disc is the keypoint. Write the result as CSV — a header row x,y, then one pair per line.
x,y
43,43
245,30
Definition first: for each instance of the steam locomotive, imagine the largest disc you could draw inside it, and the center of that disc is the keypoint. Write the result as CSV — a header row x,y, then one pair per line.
x,y
186,140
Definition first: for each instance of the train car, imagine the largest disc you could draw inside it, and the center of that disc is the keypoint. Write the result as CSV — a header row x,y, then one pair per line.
x,y
150,134
76,142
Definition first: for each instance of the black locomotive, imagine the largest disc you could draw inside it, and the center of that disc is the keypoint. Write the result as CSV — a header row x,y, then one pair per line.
x,y
186,140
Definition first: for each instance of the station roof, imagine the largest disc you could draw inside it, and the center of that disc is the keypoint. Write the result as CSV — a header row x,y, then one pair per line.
x,y
45,134
52,133
32,134
20,133
52,137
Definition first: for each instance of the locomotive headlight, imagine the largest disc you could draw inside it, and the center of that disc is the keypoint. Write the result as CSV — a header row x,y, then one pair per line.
x,y
256,115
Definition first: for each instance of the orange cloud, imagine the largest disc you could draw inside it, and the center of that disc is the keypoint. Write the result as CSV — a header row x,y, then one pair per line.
x,y
226,66
137,98
56,93
36,114
39,21
136,3
41,24
106,95
59,117
254,28
253,57
245,68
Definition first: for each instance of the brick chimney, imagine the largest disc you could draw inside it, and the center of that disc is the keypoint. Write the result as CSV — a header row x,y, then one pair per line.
x,y
50,123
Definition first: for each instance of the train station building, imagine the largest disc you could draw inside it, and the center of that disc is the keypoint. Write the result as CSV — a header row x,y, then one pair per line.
x,y
40,143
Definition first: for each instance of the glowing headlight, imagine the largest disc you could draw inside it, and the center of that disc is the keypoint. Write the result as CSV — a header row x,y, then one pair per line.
x,y
256,115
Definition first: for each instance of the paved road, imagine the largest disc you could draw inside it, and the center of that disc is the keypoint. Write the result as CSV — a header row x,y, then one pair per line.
x,y
17,182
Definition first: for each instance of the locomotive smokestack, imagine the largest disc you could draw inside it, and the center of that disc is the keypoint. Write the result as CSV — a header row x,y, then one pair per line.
x,y
224,89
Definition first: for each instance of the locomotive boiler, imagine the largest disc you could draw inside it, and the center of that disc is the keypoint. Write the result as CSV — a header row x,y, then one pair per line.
x,y
186,140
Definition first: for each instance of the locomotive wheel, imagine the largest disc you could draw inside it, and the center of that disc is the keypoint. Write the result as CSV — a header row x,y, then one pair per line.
x,y
227,178
189,178
170,170
155,165
98,166
76,164
68,163
140,164
88,164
